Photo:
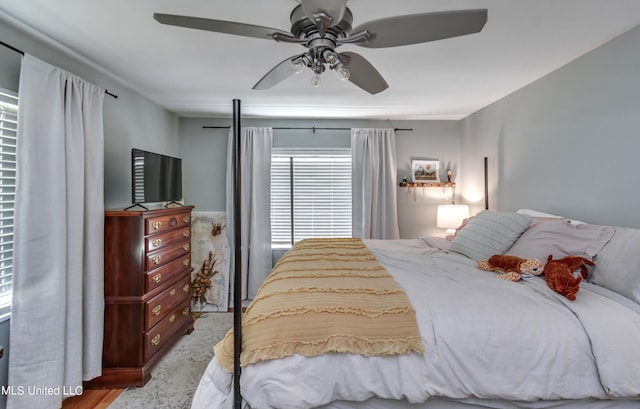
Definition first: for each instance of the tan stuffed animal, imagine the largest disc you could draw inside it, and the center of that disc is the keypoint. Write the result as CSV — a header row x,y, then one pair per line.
x,y
511,267
559,274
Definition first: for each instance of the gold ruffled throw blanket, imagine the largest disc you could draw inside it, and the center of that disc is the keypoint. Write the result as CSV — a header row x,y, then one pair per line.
x,y
325,296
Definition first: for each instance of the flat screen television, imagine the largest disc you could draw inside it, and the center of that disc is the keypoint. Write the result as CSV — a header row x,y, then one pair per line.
x,y
155,177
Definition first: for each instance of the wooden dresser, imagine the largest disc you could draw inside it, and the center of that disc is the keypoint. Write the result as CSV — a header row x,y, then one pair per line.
x,y
147,289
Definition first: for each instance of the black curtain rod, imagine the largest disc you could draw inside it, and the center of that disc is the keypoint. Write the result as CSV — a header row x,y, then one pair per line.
x,y
312,128
22,53
12,47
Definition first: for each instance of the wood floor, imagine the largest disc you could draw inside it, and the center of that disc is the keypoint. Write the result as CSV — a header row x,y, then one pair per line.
x,y
92,399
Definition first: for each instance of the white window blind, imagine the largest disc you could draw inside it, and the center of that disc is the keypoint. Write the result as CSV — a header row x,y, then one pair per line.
x,y
310,195
8,133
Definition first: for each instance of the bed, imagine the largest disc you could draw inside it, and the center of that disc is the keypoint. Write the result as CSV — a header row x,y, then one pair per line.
x,y
485,342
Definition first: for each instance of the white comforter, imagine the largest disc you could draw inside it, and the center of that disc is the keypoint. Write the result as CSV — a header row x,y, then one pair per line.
x,y
484,338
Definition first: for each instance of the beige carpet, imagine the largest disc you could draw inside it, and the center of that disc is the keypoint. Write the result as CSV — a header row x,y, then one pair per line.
x,y
175,378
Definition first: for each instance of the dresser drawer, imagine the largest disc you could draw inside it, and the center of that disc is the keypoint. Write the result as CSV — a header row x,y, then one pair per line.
x,y
159,306
163,223
168,272
159,334
163,256
164,240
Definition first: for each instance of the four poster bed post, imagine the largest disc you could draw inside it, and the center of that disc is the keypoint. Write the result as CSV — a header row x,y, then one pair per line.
x,y
486,183
237,283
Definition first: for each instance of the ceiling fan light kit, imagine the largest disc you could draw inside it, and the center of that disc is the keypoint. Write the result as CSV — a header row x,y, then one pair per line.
x,y
322,26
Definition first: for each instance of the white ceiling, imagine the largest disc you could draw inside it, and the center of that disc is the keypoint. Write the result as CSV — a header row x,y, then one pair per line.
x,y
198,73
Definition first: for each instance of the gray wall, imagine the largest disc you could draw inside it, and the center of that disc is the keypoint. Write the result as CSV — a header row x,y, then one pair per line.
x,y
566,144
429,140
204,159
9,69
130,121
133,121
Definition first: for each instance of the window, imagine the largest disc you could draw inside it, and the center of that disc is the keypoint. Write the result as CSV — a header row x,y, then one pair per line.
x,y
310,195
8,132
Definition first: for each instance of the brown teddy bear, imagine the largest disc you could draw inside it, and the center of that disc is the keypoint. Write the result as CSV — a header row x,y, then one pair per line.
x,y
511,267
559,274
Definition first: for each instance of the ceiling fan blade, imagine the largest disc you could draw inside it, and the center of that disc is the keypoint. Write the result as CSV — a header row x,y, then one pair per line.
x,y
277,74
219,26
421,28
363,74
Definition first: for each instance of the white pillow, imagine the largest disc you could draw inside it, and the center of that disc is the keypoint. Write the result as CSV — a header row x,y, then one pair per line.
x,y
618,264
535,213
489,233
559,239
543,215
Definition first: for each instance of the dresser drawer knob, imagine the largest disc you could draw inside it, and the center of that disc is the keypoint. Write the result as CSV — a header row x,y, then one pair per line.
x,y
172,318
156,259
156,278
173,222
185,312
186,262
172,292
186,219
156,310
186,233
186,288
156,340
156,225
186,247
156,242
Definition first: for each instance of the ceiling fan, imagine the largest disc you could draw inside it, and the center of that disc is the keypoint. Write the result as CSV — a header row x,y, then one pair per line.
x,y
323,25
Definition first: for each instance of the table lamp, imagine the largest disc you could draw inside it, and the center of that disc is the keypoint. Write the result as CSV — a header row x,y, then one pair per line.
x,y
451,216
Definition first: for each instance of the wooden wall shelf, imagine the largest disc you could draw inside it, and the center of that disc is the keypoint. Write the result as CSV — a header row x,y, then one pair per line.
x,y
428,184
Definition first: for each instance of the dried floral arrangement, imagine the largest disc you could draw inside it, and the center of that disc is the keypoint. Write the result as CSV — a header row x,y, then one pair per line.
x,y
216,228
202,280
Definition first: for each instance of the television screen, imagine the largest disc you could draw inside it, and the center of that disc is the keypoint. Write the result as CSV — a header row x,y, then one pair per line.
x,y
155,177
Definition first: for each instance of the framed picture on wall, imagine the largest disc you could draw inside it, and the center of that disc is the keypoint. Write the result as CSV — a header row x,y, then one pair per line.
x,y
424,170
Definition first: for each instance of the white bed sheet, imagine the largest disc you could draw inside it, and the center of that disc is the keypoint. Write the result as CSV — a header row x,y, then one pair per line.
x,y
488,342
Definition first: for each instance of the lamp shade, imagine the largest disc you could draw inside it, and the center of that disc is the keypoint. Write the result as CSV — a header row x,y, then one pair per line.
x,y
451,216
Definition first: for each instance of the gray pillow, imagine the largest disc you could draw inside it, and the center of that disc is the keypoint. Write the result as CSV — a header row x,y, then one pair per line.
x,y
489,233
559,239
618,264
